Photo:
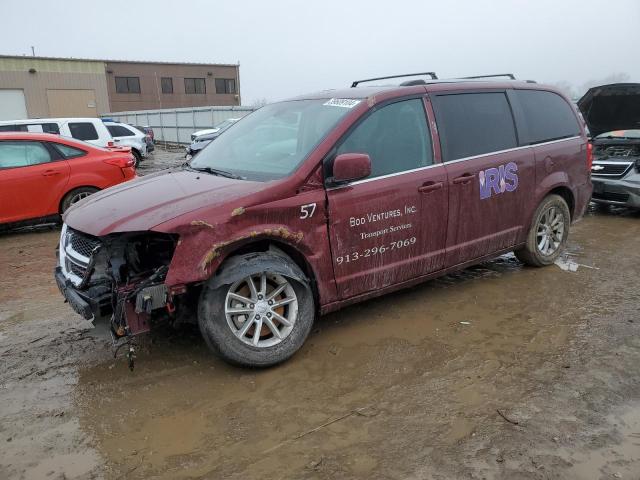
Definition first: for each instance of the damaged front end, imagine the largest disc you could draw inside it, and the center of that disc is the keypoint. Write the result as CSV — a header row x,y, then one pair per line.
x,y
118,276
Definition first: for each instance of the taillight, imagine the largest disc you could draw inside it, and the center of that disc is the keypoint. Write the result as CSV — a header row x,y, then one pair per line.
x,y
122,162
110,144
589,155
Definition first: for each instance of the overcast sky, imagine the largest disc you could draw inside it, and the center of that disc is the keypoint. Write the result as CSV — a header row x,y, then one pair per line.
x,y
288,47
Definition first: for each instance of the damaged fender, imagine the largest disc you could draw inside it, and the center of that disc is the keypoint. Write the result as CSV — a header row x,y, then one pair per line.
x,y
238,267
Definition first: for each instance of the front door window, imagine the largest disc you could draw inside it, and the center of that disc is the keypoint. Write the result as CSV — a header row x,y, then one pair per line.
x,y
378,224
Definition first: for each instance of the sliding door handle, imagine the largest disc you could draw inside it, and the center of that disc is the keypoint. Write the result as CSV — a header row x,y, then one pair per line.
x,y
466,178
430,187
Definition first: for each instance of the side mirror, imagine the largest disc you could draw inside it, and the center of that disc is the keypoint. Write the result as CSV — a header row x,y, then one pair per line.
x,y
348,167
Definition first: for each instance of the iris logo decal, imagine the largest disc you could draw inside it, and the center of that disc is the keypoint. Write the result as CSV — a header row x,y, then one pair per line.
x,y
500,180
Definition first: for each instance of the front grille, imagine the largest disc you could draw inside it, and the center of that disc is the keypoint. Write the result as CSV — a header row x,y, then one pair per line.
x,y
82,244
78,249
76,269
612,196
613,169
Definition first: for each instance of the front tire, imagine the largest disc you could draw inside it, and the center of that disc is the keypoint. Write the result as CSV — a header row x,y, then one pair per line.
x,y
548,233
259,320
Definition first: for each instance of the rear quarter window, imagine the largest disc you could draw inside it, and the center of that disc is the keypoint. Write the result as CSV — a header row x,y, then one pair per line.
x,y
473,124
545,116
83,131
68,152
120,131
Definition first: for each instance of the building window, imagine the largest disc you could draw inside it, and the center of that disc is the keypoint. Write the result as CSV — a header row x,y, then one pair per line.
x,y
225,85
194,85
127,85
167,84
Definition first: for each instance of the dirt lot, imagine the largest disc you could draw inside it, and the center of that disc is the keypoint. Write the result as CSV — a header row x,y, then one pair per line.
x,y
500,371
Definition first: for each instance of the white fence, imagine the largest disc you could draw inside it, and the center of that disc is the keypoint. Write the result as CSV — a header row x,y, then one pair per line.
x,y
176,125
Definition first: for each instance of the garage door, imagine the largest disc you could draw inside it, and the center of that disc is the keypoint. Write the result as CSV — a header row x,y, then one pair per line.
x,y
12,105
72,103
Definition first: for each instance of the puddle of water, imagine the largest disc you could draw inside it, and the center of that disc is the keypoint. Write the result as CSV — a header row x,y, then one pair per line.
x,y
617,456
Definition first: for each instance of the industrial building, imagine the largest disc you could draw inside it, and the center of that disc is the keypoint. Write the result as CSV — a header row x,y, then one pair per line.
x,y
36,87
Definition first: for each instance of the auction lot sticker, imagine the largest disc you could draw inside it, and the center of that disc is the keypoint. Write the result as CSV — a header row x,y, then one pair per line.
x,y
342,102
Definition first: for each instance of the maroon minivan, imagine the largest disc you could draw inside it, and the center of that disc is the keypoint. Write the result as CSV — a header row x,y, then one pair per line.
x,y
325,200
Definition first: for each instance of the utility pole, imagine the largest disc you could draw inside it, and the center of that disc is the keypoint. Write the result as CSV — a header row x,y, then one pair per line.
x,y
33,51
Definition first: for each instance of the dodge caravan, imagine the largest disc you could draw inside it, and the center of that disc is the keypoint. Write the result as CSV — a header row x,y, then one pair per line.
x,y
325,200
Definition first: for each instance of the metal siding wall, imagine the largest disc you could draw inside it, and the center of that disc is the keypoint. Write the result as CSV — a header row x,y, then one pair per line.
x,y
176,125
35,87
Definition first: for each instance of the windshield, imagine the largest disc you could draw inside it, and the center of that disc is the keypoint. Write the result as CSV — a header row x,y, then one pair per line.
x,y
620,134
271,142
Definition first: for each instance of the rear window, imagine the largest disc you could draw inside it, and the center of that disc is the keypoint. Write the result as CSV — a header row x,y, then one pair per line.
x,y
83,131
473,124
546,117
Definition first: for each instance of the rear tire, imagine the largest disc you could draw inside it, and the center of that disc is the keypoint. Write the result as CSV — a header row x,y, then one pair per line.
x,y
136,157
257,326
548,233
75,196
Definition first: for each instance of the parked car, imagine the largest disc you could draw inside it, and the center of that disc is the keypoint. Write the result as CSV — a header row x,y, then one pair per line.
x,y
148,138
310,205
148,130
129,136
612,113
218,128
91,130
42,175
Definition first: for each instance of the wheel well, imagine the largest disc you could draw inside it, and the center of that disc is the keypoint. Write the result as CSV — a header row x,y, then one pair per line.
x,y
292,252
566,194
69,191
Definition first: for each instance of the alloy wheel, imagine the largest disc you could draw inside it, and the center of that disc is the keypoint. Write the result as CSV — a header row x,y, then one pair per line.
x,y
79,196
550,231
261,309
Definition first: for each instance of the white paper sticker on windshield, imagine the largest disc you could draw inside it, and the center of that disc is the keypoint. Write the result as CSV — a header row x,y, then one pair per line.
x,y
342,102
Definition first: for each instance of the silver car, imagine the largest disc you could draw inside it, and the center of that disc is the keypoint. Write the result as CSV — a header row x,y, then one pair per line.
x,y
613,115
129,136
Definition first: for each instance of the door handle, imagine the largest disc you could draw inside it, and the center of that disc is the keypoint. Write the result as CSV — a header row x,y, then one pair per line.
x,y
49,173
430,187
466,178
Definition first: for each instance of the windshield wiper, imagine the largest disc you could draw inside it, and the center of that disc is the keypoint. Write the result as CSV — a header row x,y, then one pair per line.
x,y
216,171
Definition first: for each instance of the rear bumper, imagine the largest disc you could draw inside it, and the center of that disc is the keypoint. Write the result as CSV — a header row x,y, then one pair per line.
x,y
623,191
582,200
93,303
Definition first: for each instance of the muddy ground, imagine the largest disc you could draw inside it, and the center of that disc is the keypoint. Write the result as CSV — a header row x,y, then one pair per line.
x,y
500,371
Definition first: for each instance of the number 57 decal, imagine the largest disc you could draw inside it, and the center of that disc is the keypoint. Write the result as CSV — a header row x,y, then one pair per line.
x,y
307,211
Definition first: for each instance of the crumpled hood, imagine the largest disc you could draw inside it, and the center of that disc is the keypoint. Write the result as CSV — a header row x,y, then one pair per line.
x,y
144,203
611,107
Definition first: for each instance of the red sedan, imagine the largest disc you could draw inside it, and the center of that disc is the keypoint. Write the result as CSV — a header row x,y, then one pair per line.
x,y
42,175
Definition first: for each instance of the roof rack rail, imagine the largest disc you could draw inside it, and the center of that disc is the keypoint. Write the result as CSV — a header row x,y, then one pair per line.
x,y
510,75
431,74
